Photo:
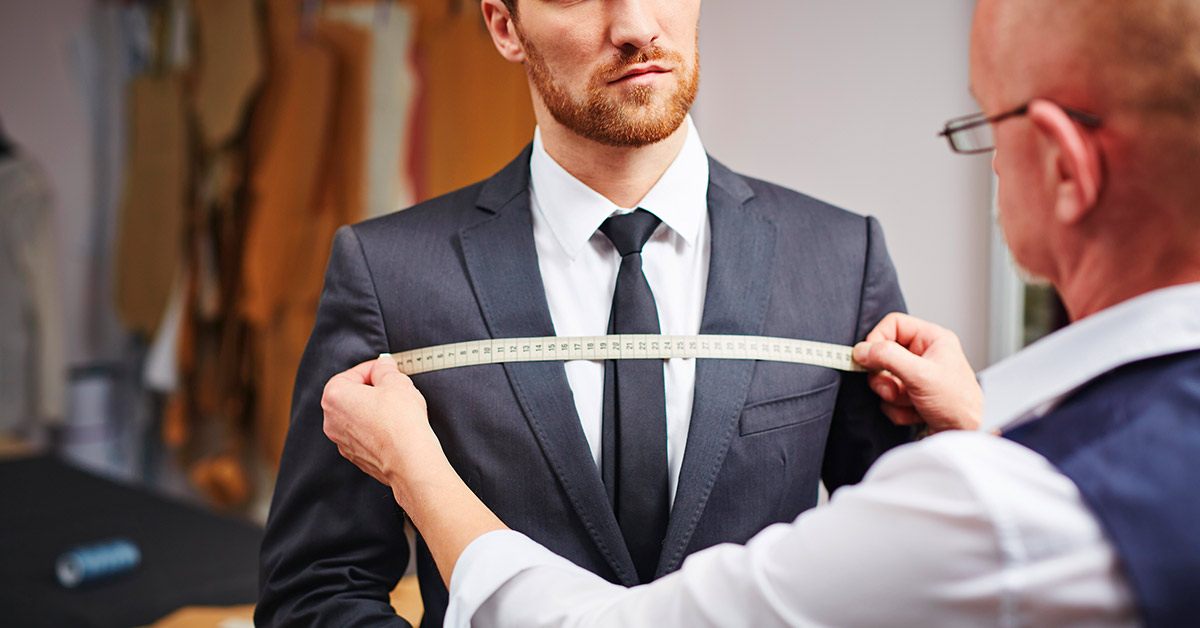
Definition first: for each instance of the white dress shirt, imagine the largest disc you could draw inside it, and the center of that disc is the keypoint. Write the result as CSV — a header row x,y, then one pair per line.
x,y
579,271
962,528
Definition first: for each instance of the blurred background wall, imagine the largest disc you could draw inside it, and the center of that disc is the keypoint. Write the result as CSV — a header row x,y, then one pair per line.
x,y
838,99
841,100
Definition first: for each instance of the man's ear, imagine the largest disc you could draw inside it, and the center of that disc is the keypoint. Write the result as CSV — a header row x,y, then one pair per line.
x,y
503,27
1080,174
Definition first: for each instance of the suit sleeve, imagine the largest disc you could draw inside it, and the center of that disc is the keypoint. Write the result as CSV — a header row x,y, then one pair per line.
x,y
334,546
860,432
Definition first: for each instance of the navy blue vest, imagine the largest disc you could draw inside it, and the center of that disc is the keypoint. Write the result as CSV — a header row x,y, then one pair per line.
x,y
1130,440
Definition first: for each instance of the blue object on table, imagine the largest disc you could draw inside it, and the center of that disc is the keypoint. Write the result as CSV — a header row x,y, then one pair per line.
x,y
97,561
190,556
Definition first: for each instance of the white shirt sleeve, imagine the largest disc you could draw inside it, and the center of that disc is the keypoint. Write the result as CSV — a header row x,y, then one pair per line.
x,y
964,528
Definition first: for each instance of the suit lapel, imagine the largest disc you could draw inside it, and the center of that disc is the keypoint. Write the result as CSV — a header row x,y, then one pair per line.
x,y
736,301
501,260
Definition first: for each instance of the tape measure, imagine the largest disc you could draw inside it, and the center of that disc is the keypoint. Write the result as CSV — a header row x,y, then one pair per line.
x,y
625,347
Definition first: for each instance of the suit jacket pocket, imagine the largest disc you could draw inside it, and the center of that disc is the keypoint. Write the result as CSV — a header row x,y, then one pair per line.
x,y
789,410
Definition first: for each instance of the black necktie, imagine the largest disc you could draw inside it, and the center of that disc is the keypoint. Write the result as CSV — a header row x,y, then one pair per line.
x,y
635,400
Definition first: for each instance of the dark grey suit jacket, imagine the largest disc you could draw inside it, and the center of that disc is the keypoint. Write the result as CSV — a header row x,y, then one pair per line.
x,y
463,267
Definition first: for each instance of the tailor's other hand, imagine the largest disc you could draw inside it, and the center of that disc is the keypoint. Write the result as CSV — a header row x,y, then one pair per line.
x,y
920,372
378,420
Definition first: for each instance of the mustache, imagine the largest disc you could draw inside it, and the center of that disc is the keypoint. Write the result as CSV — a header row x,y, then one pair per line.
x,y
620,64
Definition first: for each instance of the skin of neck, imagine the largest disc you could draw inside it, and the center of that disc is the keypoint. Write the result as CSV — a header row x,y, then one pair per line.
x,y
623,175
1116,263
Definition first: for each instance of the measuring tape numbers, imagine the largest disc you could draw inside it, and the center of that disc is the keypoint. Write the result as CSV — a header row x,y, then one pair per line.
x,y
625,347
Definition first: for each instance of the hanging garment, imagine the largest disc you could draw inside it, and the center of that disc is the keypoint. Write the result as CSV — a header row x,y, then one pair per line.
x,y
110,50
316,140
208,421
32,364
229,67
307,170
290,127
227,74
342,201
149,246
391,99
205,344
474,112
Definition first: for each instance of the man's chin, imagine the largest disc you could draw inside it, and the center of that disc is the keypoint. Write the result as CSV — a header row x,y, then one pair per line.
x,y
1026,275
1032,278
634,133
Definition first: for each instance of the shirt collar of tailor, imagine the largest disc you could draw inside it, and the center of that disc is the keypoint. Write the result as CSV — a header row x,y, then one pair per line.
x,y
1028,385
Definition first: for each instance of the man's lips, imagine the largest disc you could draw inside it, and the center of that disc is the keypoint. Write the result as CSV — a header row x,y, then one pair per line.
x,y
642,69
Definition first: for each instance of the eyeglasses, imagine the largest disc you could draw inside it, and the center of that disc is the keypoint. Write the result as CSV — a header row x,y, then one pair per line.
x,y
971,135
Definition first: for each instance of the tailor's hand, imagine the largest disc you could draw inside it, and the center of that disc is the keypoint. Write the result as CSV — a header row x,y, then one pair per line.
x,y
378,421
920,372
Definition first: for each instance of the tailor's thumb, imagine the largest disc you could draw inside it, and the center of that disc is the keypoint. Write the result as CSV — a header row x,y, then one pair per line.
x,y
889,356
385,372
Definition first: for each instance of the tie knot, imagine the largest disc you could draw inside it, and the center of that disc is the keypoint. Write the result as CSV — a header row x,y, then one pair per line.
x,y
629,232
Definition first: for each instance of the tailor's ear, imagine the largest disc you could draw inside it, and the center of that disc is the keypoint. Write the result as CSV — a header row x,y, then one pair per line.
x,y
503,27
1077,159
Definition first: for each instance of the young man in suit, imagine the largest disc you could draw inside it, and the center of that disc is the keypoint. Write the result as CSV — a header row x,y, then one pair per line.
x,y
614,220
1076,505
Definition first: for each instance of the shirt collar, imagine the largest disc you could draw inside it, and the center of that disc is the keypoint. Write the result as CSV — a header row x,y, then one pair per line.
x,y
1030,383
574,211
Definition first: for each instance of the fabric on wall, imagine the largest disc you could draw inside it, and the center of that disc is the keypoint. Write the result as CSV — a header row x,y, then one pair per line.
x,y
308,165
227,75
471,114
149,247
361,108
343,195
474,113
111,414
291,122
392,96
229,67
207,421
111,49
342,201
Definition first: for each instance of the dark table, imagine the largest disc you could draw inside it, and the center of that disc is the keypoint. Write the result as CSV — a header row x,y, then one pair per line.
x,y
189,556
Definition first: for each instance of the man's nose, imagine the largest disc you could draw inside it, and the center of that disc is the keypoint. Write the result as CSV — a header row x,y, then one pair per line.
x,y
634,24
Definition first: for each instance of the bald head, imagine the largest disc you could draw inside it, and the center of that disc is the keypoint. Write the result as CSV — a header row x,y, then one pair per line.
x,y
1136,63
1076,200
1134,54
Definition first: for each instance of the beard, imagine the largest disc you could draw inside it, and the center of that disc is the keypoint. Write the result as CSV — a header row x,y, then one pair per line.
x,y
636,117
